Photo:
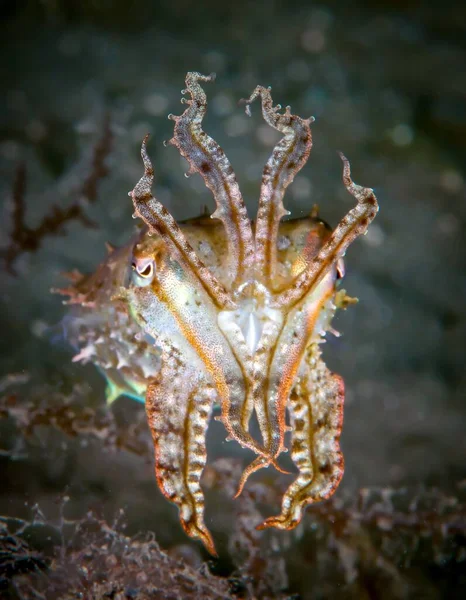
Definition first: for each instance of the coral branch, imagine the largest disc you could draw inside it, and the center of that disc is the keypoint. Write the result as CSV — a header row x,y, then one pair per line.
x,y
91,558
27,239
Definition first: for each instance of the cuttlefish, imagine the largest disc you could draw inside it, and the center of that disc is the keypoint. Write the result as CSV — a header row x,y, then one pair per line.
x,y
223,310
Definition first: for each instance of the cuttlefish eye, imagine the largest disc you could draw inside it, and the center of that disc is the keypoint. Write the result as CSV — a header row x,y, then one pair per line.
x,y
340,268
143,271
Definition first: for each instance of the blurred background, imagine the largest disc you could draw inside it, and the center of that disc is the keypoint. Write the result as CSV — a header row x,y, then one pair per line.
x,y
387,85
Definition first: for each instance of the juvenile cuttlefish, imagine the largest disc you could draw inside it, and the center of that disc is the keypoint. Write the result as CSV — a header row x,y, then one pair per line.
x,y
228,311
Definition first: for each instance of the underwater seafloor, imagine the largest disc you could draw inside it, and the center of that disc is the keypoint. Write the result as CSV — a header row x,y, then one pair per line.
x,y
82,83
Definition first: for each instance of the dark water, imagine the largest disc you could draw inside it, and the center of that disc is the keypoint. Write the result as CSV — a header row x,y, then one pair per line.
x,y
387,86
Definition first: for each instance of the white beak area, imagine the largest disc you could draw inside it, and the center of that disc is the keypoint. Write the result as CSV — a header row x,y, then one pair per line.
x,y
252,331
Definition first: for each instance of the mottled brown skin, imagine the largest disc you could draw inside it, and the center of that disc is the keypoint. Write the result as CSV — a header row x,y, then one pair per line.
x,y
227,311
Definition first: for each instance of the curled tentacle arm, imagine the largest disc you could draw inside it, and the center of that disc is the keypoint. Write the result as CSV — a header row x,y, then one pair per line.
x,y
316,411
302,324
354,224
208,159
304,321
287,159
157,217
178,416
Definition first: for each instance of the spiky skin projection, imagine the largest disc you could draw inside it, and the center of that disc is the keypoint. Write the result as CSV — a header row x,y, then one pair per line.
x,y
225,312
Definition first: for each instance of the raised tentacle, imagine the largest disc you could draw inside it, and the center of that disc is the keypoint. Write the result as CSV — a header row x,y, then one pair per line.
x,y
178,409
208,159
157,217
316,412
354,224
287,159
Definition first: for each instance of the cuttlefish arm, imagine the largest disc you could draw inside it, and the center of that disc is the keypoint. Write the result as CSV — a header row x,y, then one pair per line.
x,y
208,159
354,224
316,418
288,157
159,220
315,279
178,407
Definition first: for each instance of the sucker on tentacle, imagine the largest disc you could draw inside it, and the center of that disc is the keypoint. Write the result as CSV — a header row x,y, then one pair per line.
x,y
226,312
